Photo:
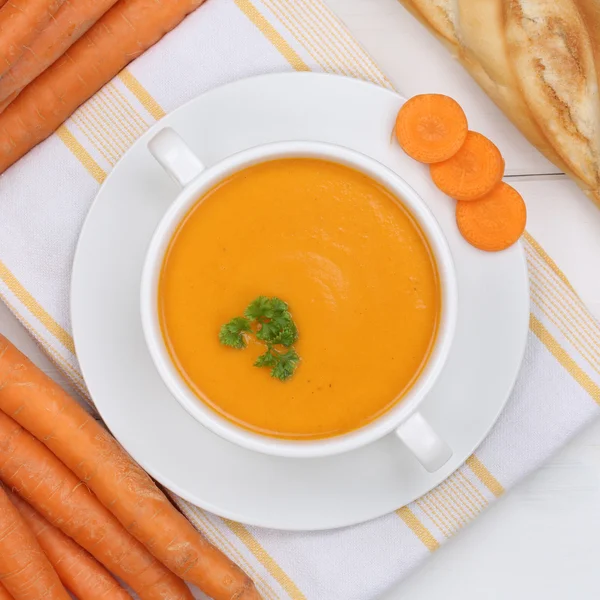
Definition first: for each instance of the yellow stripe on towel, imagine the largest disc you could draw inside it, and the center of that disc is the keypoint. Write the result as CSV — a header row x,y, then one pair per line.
x,y
413,523
272,35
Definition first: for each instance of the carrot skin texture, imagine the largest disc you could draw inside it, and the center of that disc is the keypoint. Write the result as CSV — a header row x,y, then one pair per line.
x,y
119,483
128,29
78,570
20,23
29,468
6,102
25,571
70,22
4,595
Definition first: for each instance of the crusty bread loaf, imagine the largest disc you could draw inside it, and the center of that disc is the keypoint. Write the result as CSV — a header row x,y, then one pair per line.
x,y
539,61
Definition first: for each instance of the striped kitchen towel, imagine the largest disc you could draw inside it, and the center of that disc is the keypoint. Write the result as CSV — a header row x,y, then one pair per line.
x,y
558,389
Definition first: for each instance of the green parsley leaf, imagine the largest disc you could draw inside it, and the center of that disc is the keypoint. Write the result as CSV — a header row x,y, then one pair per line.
x,y
286,365
278,308
259,309
274,326
231,334
280,327
288,334
280,330
268,332
266,308
268,359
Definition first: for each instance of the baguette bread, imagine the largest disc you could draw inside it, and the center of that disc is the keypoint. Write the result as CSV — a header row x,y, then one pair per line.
x,y
539,61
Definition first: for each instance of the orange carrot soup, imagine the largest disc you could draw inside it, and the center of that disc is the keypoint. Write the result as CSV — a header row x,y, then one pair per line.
x,y
354,268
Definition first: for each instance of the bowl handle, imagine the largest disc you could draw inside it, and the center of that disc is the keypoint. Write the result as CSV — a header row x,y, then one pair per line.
x,y
421,439
175,156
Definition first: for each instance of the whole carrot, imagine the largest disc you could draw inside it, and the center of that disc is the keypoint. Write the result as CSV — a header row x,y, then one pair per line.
x,y
43,481
70,22
20,23
79,571
43,408
24,569
128,29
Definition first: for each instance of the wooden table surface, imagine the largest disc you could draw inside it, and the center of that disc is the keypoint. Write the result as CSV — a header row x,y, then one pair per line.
x,y
542,540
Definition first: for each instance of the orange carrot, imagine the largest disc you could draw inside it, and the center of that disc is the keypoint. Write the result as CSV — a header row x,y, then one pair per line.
x,y
6,102
70,22
20,23
43,408
128,29
25,571
43,481
80,572
4,595
472,172
431,127
495,221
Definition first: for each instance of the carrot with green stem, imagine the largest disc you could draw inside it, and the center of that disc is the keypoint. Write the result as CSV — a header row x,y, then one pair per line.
x,y
20,23
25,571
41,479
78,570
43,408
69,23
128,29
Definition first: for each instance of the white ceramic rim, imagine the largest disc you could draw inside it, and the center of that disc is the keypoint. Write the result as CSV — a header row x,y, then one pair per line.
x,y
99,299
378,428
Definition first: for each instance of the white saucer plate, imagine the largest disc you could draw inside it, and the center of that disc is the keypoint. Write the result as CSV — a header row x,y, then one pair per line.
x,y
282,493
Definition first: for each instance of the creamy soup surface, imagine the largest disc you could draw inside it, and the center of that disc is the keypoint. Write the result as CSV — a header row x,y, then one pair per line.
x,y
352,264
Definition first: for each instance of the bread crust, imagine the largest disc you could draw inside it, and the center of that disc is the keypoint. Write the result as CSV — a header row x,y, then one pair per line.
x,y
551,52
590,12
539,61
440,15
485,55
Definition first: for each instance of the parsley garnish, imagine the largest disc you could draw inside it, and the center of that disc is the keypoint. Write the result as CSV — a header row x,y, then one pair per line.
x,y
286,364
231,333
273,325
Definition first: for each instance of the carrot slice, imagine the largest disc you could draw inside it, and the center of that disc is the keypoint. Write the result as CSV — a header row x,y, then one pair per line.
x,y
25,571
472,172
79,571
495,221
431,127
